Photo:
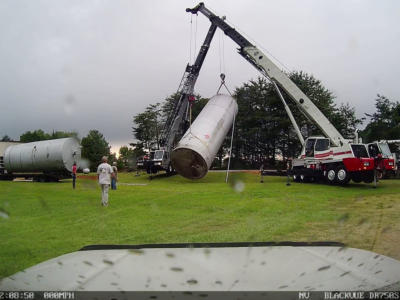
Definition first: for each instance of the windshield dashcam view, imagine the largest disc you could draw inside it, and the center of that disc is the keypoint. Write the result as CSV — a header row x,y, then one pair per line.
x,y
219,150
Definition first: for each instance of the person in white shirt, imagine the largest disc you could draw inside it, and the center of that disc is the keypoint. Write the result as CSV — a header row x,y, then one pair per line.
x,y
104,174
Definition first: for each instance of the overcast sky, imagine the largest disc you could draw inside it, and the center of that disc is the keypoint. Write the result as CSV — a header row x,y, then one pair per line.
x,y
81,65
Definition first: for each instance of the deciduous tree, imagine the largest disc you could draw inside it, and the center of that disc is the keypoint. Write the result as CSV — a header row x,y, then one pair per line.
x,y
94,147
385,122
6,138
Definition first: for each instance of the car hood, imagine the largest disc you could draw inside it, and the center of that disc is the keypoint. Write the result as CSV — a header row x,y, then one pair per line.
x,y
212,267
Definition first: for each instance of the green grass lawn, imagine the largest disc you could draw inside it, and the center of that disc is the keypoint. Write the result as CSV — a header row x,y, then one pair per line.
x,y
49,219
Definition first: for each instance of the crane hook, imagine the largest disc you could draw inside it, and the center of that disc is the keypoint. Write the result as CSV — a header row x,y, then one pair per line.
x,y
222,76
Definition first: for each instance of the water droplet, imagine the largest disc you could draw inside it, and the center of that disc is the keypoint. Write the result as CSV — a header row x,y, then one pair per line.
x,y
324,268
109,262
4,215
283,286
345,273
136,251
238,186
176,269
192,281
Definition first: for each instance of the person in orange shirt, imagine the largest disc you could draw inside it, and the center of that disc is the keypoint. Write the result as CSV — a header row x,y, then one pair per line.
x,y
73,175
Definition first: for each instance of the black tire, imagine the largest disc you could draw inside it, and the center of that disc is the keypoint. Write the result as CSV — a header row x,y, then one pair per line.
x,y
331,176
389,174
296,178
342,175
369,177
356,179
170,170
305,178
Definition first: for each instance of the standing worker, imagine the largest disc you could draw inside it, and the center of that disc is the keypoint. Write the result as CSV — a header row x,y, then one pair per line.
x,y
115,178
73,175
104,174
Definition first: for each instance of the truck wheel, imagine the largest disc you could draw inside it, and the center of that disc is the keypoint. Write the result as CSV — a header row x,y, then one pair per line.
x,y
296,178
342,176
305,178
369,177
356,178
389,175
331,176
170,170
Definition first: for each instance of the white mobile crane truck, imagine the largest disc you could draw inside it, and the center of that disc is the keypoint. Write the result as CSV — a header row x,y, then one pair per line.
x,y
333,157
177,122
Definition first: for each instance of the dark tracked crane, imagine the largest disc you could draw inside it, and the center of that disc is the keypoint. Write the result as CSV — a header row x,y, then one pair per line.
x,y
178,120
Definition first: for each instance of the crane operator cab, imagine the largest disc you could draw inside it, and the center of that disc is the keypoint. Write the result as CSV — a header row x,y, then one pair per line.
x,y
317,147
159,161
374,149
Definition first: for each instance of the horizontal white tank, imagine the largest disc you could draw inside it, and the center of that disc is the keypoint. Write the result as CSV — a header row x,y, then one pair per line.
x,y
43,156
198,147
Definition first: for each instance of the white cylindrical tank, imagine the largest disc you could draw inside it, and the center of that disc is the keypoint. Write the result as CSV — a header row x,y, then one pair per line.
x,y
43,156
198,147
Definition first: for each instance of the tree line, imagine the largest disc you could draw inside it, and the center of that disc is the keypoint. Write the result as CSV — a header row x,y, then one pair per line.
x,y
263,131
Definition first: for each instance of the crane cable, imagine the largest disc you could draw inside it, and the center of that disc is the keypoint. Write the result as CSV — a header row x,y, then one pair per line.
x,y
195,41
190,38
221,52
230,150
190,117
191,98
222,76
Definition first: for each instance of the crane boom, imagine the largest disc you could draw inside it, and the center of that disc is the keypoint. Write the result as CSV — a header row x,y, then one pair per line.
x,y
177,118
262,63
